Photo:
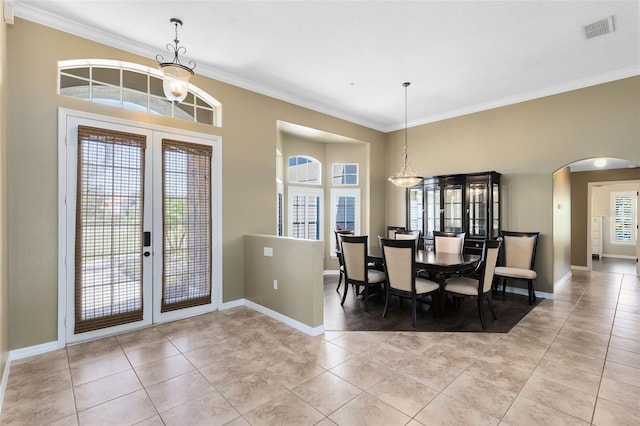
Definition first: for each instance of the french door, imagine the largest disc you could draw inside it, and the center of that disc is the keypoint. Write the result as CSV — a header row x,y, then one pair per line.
x,y
139,224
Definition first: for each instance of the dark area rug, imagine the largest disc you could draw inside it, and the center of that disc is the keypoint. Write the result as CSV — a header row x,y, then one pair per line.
x,y
510,309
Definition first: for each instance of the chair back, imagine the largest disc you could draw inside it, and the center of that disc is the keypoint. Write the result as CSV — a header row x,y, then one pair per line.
x,y
354,256
391,231
448,242
490,255
399,258
520,249
403,234
338,234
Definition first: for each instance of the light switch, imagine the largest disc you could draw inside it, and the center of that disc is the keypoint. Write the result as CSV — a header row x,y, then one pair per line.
x,y
268,251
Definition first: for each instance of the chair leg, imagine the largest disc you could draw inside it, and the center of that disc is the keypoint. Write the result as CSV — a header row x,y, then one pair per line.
x,y
532,293
484,325
339,282
387,296
346,289
504,286
366,297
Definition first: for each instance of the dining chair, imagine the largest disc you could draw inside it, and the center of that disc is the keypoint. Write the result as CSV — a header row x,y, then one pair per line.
x,y
481,287
519,260
338,234
391,231
399,258
448,242
356,269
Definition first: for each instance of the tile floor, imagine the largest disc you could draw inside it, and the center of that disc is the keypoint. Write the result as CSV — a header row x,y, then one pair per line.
x,y
574,360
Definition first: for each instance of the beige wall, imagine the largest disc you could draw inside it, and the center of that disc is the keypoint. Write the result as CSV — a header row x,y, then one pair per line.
x,y
297,266
580,207
249,135
527,143
4,331
561,223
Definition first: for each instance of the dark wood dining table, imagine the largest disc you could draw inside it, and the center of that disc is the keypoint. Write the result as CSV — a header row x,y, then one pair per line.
x,y
433,262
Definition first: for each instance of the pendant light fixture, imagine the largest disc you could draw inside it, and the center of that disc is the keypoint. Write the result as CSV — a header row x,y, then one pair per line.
x,y
175,75
406,177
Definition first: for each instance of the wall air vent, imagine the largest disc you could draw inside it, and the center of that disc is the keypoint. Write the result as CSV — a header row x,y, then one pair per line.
x,y
601,27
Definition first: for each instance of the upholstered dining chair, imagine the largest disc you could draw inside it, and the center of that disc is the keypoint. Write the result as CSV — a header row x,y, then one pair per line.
x,y
391,231
399,258
519,260
338,234
356,270
448,242
479,288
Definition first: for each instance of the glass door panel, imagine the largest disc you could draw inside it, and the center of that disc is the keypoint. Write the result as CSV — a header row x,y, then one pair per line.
x,y
416,208
478,198
453,194
495,229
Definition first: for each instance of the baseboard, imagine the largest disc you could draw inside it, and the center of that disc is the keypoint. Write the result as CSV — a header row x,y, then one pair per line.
x,y
619,256
579,268
34,350
331,272
525,292
312,331
5,380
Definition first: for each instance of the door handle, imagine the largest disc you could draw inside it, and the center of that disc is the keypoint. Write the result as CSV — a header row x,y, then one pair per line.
x,y
146,254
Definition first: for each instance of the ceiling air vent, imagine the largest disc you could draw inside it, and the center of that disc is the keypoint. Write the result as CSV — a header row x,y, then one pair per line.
x,y
601,27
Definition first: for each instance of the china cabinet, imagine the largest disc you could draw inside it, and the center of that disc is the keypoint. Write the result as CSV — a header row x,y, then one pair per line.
x,y
467,203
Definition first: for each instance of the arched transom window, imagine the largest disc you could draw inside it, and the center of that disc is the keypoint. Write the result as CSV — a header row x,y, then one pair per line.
x,y
132,86
303,169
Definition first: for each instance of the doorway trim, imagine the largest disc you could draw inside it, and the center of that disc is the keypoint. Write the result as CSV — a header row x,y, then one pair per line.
x,y
216,221
590,186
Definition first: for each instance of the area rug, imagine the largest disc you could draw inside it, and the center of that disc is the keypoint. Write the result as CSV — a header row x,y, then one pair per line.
x,y
510,309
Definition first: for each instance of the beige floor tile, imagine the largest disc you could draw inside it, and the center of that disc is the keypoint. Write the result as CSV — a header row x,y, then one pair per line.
x,y
293,373
128,409
178,328
560,397
228,370
326,354
524,412
625,332
286,410
627,323
568,376
140,338
163,369
366,410
49,407
193,341
579,361
621,373
88,351
35,367
431,374
37,387
252,391
620,356
608,413
480,394
105,389
450,357
178,390
533,348
150,353
356,342
151,421
361,371
444,410
66,421
403,394
210,409
392,356
97,368
412,342
505,376
327,392
620,393
580,345
626,344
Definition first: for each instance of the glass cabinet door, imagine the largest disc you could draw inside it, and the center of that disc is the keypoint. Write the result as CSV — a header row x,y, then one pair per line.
x,y
415,208
478,209
495,228
453,194
432,210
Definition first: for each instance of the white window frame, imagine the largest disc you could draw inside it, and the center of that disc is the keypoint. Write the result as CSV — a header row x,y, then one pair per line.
x,y
311,161
280,209
334,175
307,192
634,216
344,192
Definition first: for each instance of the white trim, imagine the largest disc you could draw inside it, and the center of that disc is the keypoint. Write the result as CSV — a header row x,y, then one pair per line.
x,y
34,350
330,272
305,192
32,13
579,268
64,336
311,331
618,256
564,279
5,380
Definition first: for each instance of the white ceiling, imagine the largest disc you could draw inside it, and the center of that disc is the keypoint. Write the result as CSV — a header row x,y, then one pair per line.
x,y
350,58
